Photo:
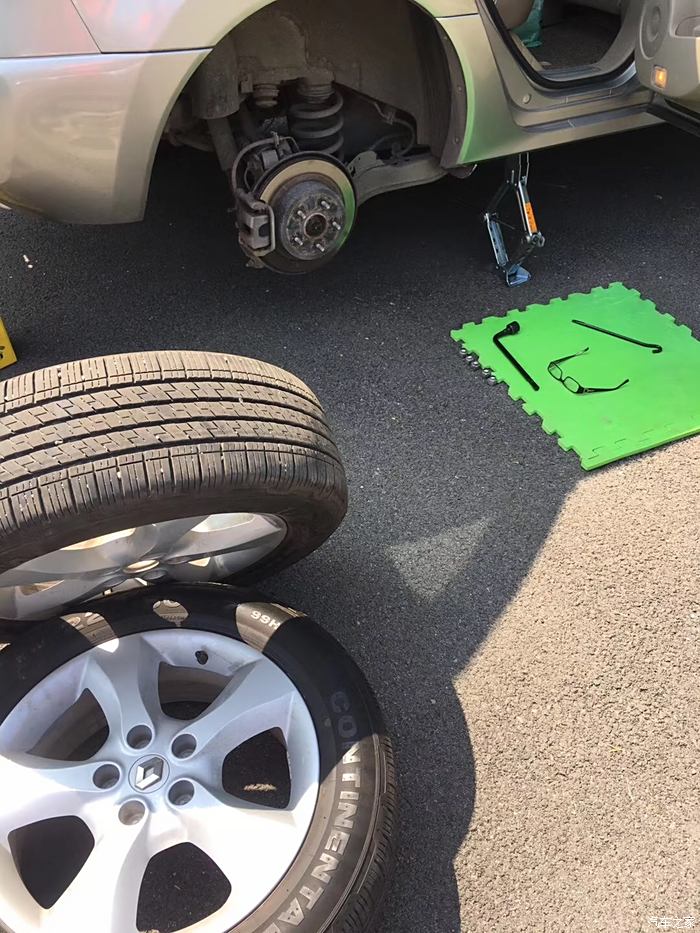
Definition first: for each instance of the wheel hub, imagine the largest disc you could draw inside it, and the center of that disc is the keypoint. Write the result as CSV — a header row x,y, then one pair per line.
x,y
314,206
312,220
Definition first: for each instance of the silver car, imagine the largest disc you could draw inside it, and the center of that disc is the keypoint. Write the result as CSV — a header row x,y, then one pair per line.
x,y
310,107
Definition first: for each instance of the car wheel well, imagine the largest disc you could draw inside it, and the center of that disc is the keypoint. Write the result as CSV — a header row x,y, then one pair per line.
x,y
393,53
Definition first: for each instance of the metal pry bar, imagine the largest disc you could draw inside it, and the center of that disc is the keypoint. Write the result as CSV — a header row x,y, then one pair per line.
x,y
654,347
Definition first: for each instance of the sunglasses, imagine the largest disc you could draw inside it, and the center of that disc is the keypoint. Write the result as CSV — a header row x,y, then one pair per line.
x,y
573,385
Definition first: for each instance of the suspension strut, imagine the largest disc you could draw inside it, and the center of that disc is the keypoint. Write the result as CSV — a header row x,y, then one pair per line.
x,y
316,118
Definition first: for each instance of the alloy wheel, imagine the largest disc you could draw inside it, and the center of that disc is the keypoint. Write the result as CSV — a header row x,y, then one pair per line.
x,y
151,781
200,549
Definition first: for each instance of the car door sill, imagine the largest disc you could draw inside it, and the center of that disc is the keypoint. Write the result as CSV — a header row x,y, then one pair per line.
x,y
538,77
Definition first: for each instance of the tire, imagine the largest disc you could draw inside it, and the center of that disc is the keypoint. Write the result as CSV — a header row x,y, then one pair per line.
x,y
338,879
91,447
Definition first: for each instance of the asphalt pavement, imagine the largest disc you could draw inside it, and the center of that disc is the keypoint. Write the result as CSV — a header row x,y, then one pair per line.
x,y
532,631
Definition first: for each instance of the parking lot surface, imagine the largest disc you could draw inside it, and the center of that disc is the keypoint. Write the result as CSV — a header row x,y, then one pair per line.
x,y
532,632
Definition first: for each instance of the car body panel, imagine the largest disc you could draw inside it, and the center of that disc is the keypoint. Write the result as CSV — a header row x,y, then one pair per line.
x,y
143,25
79,133
498,124
667,53
42,27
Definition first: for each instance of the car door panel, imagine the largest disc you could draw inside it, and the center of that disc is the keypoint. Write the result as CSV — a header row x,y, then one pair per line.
x,y
667,57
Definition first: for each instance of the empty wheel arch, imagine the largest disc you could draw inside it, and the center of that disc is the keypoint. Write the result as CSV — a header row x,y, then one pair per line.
x,y
395,54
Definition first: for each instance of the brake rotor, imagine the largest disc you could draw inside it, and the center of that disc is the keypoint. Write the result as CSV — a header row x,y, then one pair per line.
x,y
314,204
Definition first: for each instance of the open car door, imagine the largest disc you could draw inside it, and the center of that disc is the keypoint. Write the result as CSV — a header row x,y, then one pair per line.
x,y
667,57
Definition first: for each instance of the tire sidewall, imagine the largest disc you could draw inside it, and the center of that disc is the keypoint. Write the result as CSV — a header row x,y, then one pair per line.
x,y
316,886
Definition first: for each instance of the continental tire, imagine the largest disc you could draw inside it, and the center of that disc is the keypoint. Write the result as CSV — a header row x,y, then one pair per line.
x,y
335,878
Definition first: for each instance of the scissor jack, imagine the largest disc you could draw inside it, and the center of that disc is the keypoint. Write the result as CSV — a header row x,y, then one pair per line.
x,y
517,171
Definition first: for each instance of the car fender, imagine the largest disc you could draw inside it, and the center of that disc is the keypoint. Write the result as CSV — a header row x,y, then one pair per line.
x,y
164,25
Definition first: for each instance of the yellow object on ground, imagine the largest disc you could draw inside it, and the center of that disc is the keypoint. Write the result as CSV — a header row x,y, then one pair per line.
x,y
7,353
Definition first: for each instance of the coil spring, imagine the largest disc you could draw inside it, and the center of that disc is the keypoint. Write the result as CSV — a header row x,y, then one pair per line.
x,y
316,120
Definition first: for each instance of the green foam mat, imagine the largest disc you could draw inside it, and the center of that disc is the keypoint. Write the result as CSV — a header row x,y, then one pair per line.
x,y
659,404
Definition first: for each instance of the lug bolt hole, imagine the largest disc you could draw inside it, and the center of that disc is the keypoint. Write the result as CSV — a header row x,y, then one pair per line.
x,y
181,793
105,777
139,737
184,746
132,813
201,657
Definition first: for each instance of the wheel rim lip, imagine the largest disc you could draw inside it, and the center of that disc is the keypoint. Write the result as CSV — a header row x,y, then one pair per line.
x,y
36,601
14,738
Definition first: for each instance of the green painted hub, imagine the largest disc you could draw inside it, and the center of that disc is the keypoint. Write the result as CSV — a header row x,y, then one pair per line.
x,y
659,403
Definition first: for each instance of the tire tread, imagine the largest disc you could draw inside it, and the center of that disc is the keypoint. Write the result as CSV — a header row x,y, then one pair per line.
x,y
81,437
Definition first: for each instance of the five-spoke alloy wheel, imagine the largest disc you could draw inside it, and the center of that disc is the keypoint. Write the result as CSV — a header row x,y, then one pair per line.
x,y
189,723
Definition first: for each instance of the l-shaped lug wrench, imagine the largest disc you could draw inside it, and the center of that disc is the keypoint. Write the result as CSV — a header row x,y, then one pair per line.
x,y
508,331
